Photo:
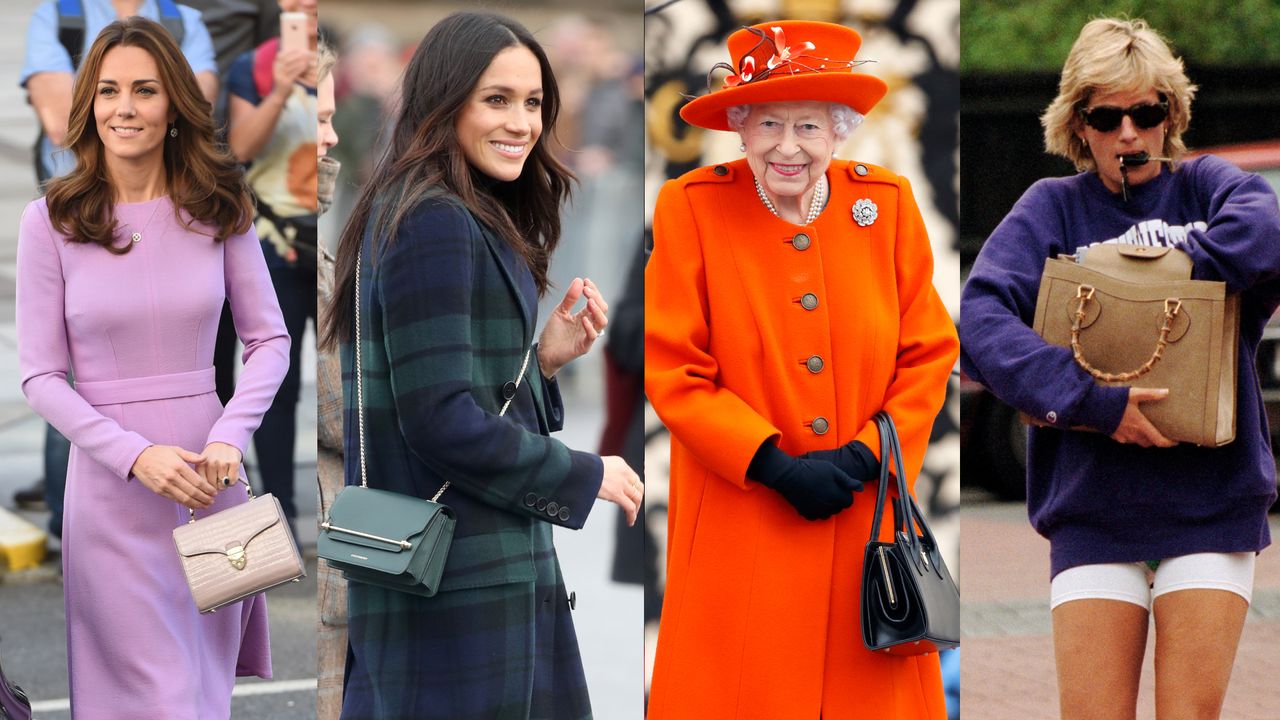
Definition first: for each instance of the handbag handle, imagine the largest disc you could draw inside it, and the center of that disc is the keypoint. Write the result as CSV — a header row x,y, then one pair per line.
x,y
1084,294
910,517
364,478
248,488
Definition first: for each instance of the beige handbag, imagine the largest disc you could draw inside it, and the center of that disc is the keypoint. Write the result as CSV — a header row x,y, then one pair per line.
x,y
238,552
1133,317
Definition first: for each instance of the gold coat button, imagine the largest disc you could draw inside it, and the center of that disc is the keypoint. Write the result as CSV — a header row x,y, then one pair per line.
x,y
800,241
814,363
860,169
809,301
820,426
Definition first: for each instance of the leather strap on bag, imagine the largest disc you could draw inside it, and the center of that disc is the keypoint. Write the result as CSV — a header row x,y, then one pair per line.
x,y
364,480
907,516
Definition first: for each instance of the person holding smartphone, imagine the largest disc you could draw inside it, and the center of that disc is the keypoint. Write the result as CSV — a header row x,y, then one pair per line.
x,y
271,128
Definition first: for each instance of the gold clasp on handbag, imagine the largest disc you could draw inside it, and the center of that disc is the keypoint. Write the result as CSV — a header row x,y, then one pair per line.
x,y
1080,292
236,557
1177,305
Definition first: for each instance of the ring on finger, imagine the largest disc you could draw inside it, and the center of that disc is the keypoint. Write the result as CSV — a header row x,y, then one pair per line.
x,y
226,481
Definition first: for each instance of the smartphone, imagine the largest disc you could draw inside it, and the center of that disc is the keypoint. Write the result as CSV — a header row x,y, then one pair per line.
x,y
293,31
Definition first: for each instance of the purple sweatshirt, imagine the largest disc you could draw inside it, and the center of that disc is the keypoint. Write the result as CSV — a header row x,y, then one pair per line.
x,y
1094,499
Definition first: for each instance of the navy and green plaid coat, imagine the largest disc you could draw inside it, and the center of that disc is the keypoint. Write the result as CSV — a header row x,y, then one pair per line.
x,y
447,313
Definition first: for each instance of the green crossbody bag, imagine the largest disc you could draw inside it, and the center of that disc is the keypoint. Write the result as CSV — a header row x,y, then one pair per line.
x,y
386,538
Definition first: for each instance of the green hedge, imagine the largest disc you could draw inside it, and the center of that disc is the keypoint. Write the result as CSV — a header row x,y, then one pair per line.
x,y
1019,35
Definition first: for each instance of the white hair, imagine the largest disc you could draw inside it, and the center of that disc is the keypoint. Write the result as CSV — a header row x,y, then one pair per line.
x,y
844,119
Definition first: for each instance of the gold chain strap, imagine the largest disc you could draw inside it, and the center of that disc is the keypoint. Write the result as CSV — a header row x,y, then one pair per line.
x,y
1084,294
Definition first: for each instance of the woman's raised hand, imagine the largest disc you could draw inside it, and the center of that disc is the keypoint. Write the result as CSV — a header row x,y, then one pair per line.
x,y
622,487
1134,427
166,471
568,335
289,67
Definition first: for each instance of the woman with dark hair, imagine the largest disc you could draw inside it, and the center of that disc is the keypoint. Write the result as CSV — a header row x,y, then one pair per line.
x,y
122,271
451,239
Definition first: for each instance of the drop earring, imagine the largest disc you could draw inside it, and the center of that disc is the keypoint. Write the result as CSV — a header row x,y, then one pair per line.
x,y
173,131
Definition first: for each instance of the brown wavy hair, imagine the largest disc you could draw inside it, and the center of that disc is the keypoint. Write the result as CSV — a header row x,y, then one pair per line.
x,y
423,156
201,178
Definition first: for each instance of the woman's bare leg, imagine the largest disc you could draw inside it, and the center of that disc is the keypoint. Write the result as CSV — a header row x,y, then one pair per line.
x,y
1098,645
1197,633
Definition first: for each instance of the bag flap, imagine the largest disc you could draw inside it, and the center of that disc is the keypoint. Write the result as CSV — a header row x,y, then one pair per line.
x,y
229,528
380,513
1138,263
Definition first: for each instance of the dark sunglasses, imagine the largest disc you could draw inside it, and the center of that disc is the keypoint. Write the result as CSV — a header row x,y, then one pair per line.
x,y
1106,118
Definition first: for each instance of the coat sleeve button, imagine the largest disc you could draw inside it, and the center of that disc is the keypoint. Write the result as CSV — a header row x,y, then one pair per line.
x,y
563,514
573,601
509,390
531,499
553,507
541,504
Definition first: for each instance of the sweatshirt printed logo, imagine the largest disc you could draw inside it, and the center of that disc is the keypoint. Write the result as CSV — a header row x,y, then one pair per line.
x,y
1155,233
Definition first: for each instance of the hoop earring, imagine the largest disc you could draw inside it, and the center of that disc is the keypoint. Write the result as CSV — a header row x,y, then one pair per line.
x,y
173,131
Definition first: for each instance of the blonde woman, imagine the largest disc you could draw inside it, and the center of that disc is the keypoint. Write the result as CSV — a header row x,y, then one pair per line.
x,y
1137,525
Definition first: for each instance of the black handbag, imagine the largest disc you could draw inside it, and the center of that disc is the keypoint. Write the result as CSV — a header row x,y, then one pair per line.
x,y
910,604
14,704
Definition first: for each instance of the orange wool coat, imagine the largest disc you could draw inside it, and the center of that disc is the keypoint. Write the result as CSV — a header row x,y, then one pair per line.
x,y
760,618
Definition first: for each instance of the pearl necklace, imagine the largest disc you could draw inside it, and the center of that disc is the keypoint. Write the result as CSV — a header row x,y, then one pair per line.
x,y
816,205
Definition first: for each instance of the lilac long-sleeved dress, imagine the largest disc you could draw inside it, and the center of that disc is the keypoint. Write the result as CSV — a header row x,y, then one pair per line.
x,y
138,330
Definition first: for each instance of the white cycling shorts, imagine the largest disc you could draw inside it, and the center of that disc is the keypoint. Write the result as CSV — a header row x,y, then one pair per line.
x,y
1136,583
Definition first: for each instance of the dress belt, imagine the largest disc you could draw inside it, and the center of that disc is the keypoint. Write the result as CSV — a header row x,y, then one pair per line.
x,y
153,387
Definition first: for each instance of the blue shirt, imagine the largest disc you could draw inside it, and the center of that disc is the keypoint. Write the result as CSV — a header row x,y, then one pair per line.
x,y
46,54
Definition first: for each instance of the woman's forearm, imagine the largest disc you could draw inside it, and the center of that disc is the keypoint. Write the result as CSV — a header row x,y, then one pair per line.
x,y
251,126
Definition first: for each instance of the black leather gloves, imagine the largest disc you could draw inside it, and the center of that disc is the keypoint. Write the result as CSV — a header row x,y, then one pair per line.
x,y
816,488
854,458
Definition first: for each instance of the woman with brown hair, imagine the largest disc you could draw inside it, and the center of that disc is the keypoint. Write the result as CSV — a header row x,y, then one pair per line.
x,y
439,271
122,272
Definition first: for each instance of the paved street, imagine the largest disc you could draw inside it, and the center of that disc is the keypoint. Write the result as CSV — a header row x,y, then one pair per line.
x,y
1007,672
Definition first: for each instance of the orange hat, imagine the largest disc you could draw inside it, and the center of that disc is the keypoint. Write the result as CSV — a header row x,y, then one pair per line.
x,y
788,61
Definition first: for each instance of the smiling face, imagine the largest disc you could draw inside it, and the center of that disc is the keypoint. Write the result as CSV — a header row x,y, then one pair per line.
x,y
502,117
1126,139
789,146
131,108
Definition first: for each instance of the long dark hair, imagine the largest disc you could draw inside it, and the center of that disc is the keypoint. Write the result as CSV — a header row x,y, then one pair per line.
x,y
424,155
202,179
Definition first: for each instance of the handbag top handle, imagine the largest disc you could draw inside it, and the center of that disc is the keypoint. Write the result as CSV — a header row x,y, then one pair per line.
x,y
364,478
891,449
